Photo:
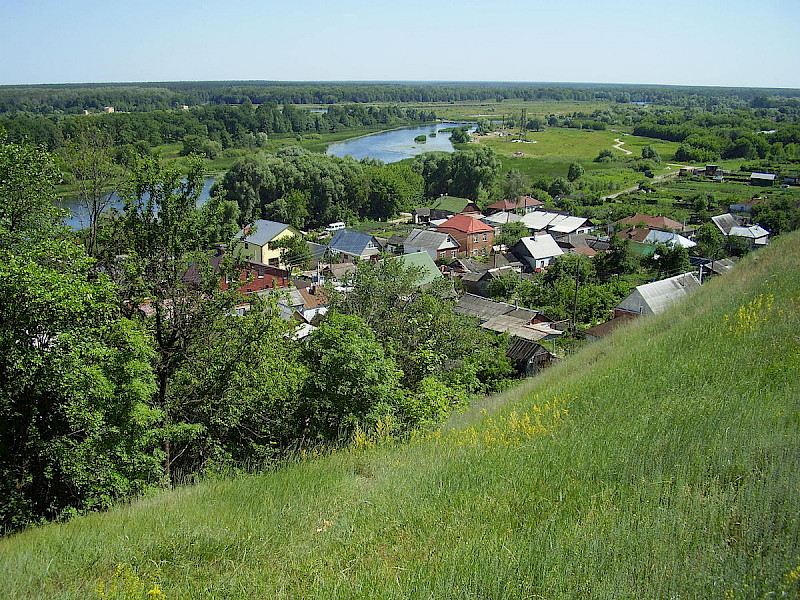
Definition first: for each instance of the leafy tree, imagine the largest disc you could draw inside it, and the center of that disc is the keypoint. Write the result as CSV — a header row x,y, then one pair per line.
x,y
535,123
161,237
606,155
560,187
710,241
576,170
460,135
89,158
514,185
295,253
669,260
650,153
356,383
75,378
511,233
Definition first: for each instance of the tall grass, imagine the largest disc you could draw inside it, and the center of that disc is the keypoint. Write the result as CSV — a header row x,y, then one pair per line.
x,y
663,462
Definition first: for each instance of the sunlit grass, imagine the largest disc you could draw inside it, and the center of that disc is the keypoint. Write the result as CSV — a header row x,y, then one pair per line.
x,y
665,463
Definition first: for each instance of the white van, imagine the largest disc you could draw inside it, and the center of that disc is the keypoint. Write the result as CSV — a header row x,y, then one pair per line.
x,y
335,227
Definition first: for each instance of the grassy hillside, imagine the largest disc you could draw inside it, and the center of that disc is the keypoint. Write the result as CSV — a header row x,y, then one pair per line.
x,y
661,463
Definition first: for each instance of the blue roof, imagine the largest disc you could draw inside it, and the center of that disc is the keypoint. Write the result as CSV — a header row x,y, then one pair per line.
x,y
350,242
266,231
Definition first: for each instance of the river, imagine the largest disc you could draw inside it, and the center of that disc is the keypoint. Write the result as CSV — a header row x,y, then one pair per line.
x,y
78,218
395,145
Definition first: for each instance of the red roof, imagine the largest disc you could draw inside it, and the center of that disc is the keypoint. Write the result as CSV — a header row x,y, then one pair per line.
x,y
652,222
465,224
523,202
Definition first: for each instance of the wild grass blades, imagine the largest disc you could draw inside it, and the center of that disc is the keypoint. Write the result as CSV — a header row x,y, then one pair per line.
x,y
751,315
673,475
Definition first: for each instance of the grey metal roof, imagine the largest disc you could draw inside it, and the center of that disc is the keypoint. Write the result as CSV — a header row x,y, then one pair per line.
x,y
265,232
435,240
523,349
351,242
653,298
725,222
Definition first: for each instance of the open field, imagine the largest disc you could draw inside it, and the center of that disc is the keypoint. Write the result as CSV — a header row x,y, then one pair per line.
x,y
663,462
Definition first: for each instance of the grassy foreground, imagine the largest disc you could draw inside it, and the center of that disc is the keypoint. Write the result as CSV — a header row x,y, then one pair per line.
x,y
663,462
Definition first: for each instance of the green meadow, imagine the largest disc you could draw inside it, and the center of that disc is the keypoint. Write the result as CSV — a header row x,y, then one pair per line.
x,y
662,462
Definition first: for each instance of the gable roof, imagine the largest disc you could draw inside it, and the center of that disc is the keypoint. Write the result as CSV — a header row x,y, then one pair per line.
x,y
429,272
452,204
650,221
265,231
634,234
352,242
725,222
466,224
541,246
654,298
522,202
753,232
501,218
435,240
666,237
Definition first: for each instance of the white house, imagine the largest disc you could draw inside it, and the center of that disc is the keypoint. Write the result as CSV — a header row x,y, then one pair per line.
x,y
537,251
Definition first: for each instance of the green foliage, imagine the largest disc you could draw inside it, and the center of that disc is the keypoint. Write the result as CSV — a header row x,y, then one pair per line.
x,y
511,233
460,135
606,155
668,260
462,173
710,241
76,377
356,383
650,153
576,170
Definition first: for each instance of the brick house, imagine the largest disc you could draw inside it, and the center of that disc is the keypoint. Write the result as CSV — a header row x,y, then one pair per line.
x,y
474,237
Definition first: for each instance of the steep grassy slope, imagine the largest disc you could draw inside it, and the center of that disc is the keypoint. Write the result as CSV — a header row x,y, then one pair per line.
x,y
661,463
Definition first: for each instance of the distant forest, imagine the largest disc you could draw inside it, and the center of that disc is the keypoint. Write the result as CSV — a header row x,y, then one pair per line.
x,y
142,97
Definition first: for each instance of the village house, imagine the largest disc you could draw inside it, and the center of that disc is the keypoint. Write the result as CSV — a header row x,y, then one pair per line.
x,y
523,205
557,224
653,298
444,207
353,244
537,251
728,225
436,244
474,237
502,317
659,222
257,242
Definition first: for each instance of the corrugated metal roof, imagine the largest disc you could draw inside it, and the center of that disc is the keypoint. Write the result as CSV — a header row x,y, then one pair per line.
x,y
435,240
654,298
725,222
262,232
423,261
352,242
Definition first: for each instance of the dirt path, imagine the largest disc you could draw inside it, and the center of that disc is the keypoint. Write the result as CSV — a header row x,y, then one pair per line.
x,y
618,146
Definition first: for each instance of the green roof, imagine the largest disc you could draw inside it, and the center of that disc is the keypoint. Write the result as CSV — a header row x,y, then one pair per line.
x,y
422,260
451,203
642,249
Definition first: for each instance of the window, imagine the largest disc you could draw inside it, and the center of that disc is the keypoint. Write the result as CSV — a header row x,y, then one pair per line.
x,y
475,238
453,253
475,252
246,246
485,237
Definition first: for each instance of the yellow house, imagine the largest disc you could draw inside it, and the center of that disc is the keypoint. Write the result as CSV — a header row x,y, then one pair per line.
x,y
257,241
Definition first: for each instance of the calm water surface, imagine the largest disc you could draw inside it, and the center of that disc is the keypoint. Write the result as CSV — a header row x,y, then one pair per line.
x,y
78,217
391,146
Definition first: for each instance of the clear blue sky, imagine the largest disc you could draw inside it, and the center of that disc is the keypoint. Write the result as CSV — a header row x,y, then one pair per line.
x,y
689,42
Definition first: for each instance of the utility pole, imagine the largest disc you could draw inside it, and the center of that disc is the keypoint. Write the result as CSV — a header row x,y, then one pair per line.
x,y
523,125
575,304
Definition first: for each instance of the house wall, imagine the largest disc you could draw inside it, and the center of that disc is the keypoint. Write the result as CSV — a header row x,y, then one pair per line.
x,y
468,244
265,254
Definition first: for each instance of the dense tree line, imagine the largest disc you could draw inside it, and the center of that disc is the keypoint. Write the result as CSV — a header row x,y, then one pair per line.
x,y
309,190
242,125
141,97
747,134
